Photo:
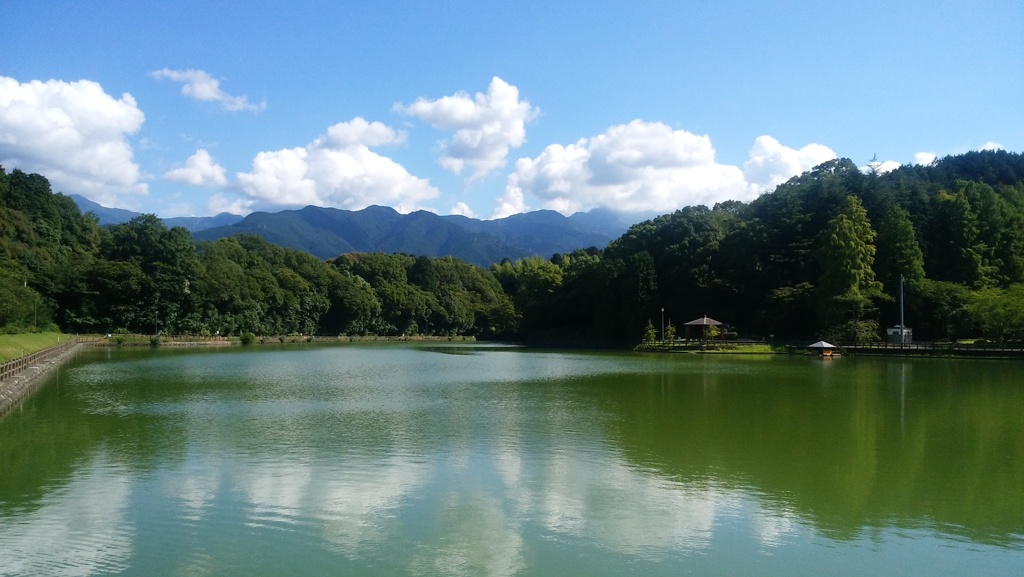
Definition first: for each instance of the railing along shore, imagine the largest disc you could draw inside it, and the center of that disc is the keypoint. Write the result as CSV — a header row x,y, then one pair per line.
x,y
20,376
16,366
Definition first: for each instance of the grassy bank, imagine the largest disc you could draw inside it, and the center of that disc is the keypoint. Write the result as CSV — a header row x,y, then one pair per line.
x,y
14,346
711,348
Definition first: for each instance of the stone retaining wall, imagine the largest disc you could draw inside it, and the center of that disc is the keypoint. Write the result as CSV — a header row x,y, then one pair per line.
x,y
22,376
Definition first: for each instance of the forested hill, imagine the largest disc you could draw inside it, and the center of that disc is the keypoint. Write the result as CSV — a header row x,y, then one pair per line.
x,y
824,252
821,256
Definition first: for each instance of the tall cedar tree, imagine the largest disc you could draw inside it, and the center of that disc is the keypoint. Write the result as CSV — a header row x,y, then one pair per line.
x,y
846,253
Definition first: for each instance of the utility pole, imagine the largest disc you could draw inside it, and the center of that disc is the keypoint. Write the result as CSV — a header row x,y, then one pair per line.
x,y
662,324
903,329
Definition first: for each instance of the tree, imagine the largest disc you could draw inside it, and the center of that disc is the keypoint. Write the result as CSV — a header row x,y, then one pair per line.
x,y
957,253
354,308
16,299
846,255
999,313
650,334
898,254
1000,220
939,309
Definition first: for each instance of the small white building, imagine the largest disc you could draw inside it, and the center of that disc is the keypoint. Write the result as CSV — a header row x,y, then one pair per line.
x,y
899,334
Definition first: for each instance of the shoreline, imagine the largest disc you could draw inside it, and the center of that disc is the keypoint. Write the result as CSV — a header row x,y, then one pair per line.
x,y
19,386
23,381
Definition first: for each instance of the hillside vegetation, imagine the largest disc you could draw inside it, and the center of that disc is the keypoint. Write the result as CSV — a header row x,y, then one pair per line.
x,y
821,256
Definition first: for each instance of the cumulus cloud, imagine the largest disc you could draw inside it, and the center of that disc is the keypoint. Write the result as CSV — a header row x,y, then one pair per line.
x,y
512,202
924,158
74,133
220,202
648,166
337,169
887,166
199,170
485,126
199,85
879,166
992,146
771,164
462,209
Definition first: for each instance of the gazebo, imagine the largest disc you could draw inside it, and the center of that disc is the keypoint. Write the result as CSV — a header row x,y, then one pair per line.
x,y
821,345
704,322
823,348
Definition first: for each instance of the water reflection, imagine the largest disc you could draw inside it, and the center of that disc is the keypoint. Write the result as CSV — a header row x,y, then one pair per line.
x,y
78,529
502,462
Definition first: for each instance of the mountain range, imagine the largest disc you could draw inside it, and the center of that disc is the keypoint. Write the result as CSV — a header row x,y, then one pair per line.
x,y
329,232
108,216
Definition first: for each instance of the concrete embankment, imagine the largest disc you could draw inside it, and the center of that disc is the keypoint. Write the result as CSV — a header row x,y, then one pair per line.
x,y
20,377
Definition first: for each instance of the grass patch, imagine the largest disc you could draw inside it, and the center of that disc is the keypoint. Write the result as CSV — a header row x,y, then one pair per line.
x,y
711,347
14,346
739,351
745,348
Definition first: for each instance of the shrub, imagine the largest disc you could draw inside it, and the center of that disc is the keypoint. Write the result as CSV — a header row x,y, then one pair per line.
x,y
248,338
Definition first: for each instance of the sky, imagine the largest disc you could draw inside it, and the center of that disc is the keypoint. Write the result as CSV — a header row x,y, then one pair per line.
x,y
488,109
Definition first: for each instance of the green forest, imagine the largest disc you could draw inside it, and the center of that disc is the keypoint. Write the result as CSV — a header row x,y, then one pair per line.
x,y
820,256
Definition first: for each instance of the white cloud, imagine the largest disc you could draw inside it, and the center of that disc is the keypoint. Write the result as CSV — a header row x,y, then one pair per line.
x,y
199,170
648,166
512,202
360,132
338,170
74,133
771,164
463,209
485,126
924,158
199,85
888,166
879,166
219,203
992,146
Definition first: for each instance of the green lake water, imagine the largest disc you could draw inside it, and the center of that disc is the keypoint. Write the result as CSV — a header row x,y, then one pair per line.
x,y
489,460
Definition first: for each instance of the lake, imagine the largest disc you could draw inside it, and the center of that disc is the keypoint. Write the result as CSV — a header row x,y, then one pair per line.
x,y
474,459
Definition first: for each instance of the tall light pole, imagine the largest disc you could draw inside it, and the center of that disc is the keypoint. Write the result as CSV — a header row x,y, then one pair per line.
x,y
662,324
903,329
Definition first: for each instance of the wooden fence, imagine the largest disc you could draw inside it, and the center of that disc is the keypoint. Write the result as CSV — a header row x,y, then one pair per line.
x,y
16,366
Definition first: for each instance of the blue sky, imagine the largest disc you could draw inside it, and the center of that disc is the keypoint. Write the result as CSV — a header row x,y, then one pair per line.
x,y
488,109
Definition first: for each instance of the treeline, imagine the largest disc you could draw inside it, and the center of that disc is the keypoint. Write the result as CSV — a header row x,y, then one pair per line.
x,y
820,256
59,269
